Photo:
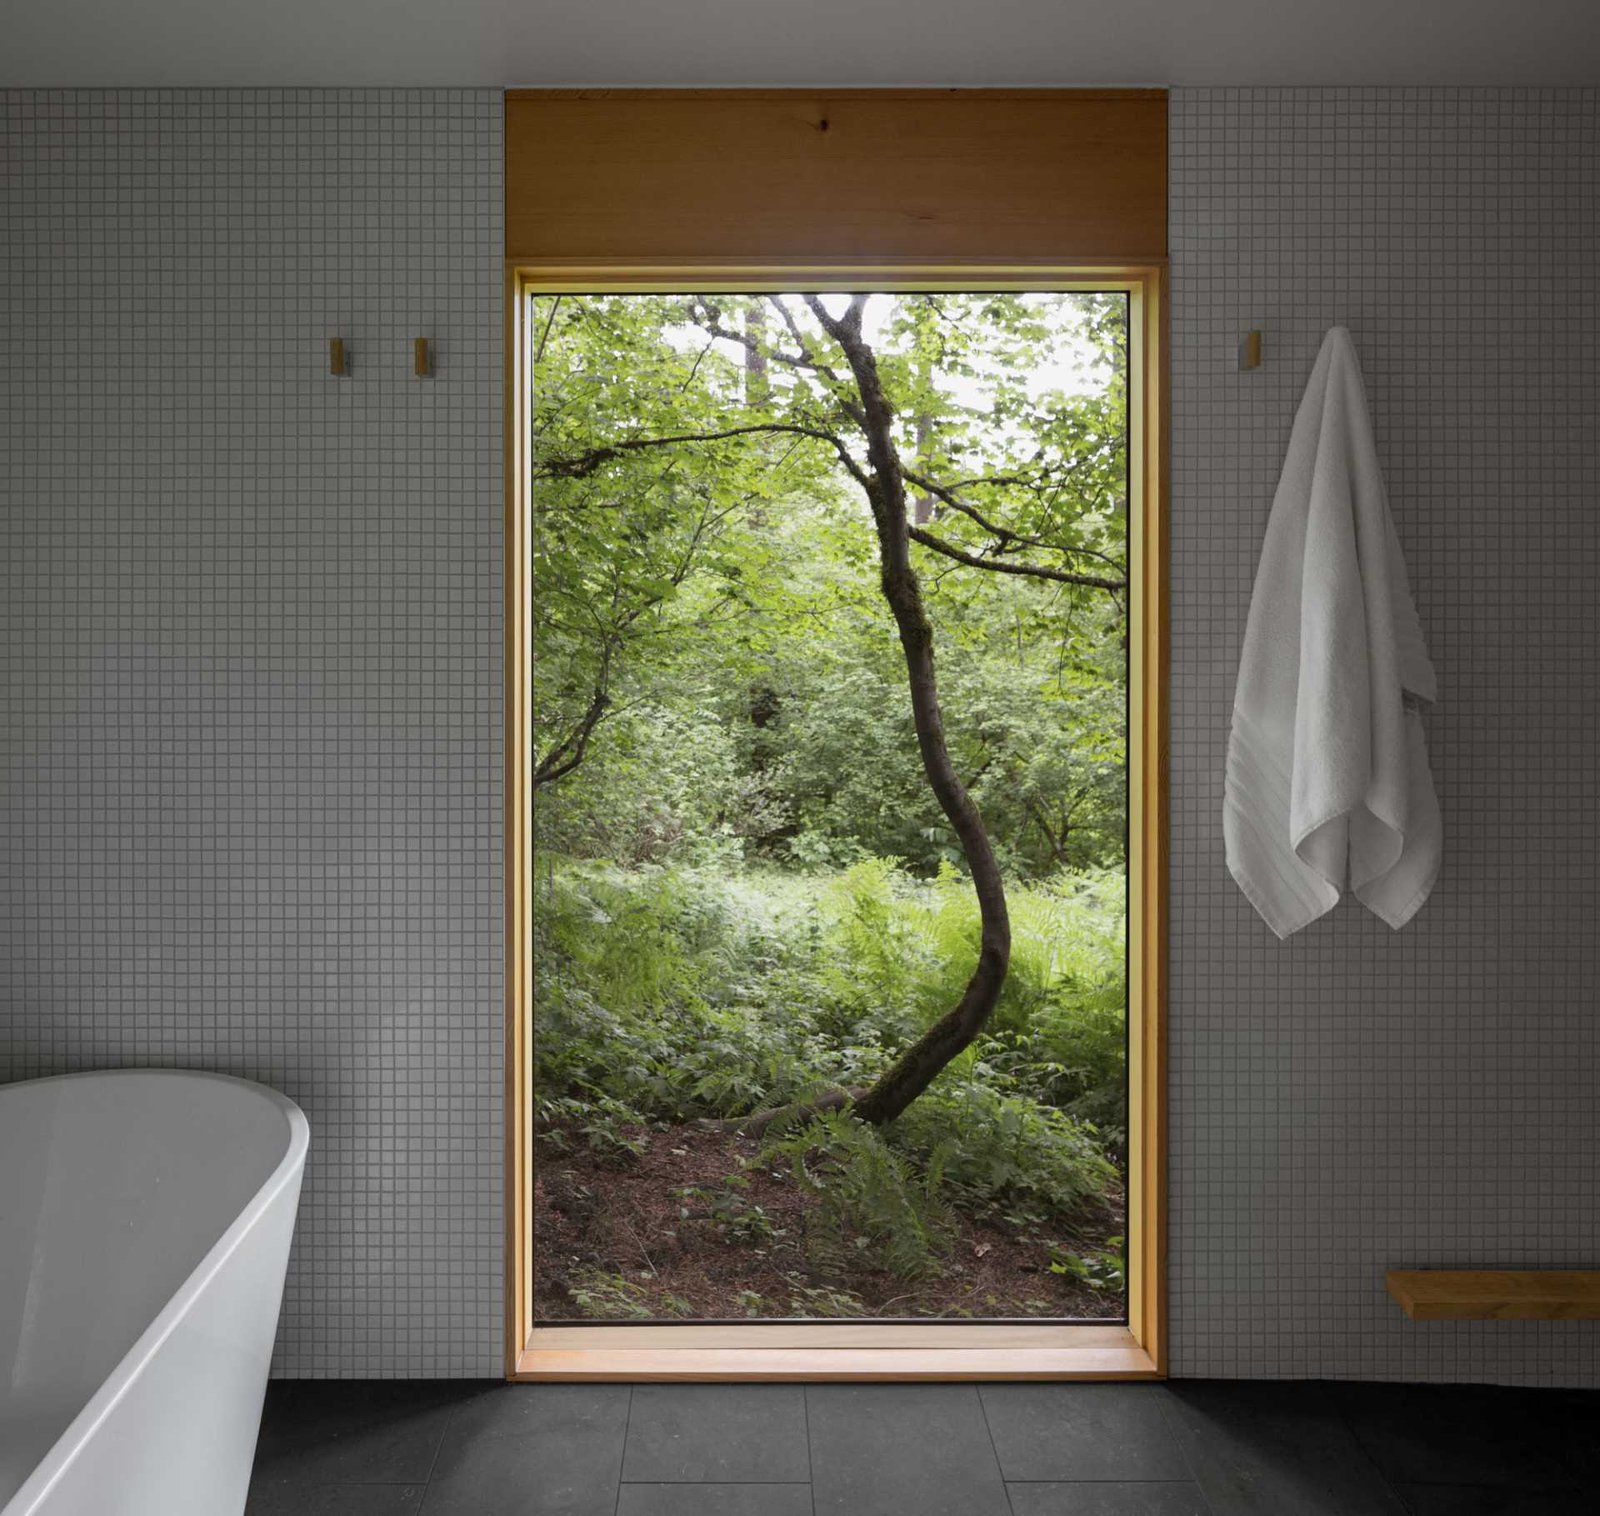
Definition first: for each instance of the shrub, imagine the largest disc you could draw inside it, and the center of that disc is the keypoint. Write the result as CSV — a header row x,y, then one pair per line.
x,y
872,1206
1002,1153
900,952
667,994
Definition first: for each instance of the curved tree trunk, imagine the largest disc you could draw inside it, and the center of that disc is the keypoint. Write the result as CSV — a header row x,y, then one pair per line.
x,y
921,1063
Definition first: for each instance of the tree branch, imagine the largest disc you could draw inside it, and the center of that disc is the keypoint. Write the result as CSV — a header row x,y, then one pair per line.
x,y
1003,535
582,465
569,752
1057,845
1028,570
800,342
544,335
712,326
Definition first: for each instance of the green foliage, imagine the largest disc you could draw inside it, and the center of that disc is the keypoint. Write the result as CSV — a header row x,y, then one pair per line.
x,y
1104,1269
671,994
1003,1153
665,783
604,1296
824,1301
720,597
745,892
1034,719
802,1300
667,995
875,1209
729,1210
1058,1035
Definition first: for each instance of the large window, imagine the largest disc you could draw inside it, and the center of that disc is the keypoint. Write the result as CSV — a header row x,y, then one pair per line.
x,y
834,638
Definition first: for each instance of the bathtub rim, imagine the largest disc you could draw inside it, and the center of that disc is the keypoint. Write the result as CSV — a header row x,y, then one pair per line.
x,y
125,1373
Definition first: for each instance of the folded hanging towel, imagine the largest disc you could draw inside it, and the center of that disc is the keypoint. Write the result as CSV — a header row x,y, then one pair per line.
x,y
1328,775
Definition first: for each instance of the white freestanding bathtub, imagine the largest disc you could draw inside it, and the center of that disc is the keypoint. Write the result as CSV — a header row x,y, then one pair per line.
x,y
145,1220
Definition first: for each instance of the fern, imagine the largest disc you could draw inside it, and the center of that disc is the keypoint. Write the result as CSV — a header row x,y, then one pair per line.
x,y
871,1205
663,995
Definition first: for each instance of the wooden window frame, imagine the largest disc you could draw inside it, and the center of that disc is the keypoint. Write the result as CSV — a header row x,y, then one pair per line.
x,y
805,1350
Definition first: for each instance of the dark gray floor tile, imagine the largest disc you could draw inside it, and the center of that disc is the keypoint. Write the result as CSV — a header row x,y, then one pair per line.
x,y
503,1410
286,1498
1082,1431
344,1431
717,1434
532,1450
1461,1434
1482,1500
1122,1499
1576,1416
1276,1449
902,1450
715,1500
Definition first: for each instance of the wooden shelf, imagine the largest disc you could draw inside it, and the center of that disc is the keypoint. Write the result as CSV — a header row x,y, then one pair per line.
x,y
1496,1294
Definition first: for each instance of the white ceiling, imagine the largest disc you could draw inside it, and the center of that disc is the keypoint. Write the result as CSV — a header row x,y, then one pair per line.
x,y
868,42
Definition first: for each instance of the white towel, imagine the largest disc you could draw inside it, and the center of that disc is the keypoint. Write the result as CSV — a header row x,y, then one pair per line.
x,y
1328,775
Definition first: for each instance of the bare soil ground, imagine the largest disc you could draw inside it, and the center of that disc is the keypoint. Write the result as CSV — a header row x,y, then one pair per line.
x,y
663,1236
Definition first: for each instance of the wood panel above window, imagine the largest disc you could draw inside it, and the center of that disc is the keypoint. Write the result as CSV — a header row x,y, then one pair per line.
x,y
836,176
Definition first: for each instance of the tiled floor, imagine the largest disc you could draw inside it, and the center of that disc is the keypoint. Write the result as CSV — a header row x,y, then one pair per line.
x,y
1189,1448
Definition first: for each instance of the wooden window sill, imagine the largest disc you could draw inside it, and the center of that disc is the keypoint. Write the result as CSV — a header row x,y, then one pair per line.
x,y
833,1350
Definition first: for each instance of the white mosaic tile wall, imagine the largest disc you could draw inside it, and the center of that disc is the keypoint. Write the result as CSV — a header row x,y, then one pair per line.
x,y
252,647
1356,1098
251,748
